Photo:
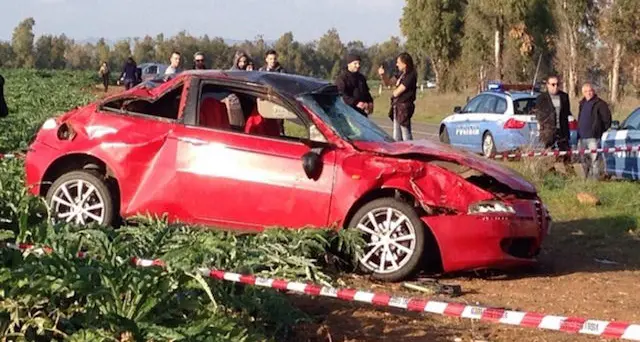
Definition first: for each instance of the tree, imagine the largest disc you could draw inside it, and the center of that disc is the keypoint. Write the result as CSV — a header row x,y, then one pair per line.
x,y
103,52
384,54
576,21
330,49
144,50
121,51
434,29
44,45
621,27
22,43
6,54
59,47
285,46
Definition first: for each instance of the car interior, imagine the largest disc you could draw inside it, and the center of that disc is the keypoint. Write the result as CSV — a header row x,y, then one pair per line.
x,y
223,109
167,106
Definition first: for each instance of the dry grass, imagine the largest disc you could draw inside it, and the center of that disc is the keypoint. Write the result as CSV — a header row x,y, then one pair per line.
x,y
431,106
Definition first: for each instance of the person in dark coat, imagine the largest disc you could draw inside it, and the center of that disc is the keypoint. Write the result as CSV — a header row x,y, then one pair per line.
x,y
271,62
353,87
130,73
404,96
593,121
4,111
552,111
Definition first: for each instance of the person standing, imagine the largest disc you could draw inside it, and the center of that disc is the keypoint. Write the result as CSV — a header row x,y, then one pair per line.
x,y
129,73
593,121
404,96
198,61
552,111
272,64
240,61
4,111
174,66
353,87
105,73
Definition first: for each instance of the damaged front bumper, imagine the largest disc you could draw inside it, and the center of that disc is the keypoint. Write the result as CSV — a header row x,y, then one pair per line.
x,y
492,240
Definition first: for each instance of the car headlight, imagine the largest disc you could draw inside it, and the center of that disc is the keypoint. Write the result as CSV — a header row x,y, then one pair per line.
x,y
491,207
49,124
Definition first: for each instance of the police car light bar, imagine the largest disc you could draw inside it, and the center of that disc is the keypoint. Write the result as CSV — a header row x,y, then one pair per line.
x,y
499,86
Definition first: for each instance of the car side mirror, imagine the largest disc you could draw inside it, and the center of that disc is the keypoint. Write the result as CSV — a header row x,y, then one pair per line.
x,y
615,124
312,164
457,109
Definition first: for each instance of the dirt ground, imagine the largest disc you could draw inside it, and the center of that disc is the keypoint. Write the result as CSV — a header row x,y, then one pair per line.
x,y
568,282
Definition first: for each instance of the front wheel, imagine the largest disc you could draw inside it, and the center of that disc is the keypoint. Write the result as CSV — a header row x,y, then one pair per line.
x,y
444,135
81,197
395,239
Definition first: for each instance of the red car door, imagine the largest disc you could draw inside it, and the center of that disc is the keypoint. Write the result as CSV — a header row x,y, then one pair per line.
x,y
238,180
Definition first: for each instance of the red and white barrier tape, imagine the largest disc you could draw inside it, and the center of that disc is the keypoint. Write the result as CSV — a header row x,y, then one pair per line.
x,y
558,153
10,156
573,325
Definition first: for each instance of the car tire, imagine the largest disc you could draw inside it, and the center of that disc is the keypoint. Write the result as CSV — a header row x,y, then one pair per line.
x,y
405,255
444,135
488,145
95,205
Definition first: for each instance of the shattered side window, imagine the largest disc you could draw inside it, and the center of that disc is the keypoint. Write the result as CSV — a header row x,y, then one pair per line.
x,y
167,106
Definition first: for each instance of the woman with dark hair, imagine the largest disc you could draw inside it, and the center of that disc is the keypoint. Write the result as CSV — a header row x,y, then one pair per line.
x,y
404,96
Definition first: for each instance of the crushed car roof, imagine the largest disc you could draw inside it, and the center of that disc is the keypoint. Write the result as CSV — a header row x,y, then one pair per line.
x,y
290,84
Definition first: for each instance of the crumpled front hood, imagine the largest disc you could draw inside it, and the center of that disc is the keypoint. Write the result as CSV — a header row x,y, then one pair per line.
x,y
445,152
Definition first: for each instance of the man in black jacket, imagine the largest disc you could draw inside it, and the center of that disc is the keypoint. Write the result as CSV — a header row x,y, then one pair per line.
x,y
4,111
353,87
594,120
552,112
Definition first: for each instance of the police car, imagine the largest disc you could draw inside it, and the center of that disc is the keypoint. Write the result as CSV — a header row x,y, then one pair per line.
x,y
623,164
497,120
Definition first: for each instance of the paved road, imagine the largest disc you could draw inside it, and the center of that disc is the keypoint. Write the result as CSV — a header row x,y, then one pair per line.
x,y
419,130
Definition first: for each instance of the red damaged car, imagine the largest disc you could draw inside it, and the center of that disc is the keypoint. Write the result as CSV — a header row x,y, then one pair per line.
x,y
249,150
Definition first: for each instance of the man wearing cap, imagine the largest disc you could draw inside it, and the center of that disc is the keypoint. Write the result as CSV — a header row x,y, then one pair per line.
x,y
353,87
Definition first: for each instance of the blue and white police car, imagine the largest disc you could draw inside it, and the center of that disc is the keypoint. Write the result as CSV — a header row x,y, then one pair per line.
x,y
623,164
497,121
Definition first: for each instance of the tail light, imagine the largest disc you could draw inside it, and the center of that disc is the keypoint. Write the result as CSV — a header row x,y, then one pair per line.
x,y
573,124
514,124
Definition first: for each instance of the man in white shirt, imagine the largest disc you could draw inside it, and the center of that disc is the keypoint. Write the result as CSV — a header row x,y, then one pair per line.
x,y
174,67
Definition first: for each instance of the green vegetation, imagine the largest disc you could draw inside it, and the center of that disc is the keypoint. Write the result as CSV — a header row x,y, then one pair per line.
x,y
59,296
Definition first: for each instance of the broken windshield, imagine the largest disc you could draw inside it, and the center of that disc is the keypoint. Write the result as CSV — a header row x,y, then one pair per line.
x,y
346,121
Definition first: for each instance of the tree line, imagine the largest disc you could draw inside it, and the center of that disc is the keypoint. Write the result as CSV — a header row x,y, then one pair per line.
x,y
461,44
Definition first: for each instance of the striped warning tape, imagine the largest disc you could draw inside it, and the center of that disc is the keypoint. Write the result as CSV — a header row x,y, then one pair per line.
x,y
573,325
558,153
11,156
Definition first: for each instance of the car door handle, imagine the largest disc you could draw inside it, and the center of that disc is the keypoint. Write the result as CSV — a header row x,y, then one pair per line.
x,y
192,141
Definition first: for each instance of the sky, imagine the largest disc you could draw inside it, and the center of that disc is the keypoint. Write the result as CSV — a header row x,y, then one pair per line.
x,y
370,21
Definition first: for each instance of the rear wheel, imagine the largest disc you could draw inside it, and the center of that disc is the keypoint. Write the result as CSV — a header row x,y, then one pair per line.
x,y
395,239
488,145
444,135
81,197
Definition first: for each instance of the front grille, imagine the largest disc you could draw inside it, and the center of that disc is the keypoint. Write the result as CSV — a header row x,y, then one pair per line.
x,y
540,214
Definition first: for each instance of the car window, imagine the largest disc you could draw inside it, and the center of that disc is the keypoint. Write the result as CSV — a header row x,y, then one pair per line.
x,y
524,106
166,107
489,105
501,106
225,109
152,69
474,104
633,121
